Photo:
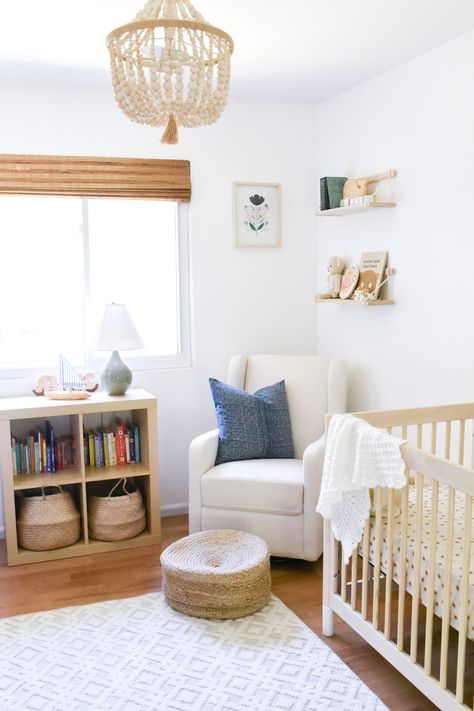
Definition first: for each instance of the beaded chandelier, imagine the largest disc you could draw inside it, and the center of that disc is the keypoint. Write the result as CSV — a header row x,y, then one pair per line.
x,y
170,66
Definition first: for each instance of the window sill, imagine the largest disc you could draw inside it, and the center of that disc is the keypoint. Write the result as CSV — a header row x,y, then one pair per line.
x,y
145,363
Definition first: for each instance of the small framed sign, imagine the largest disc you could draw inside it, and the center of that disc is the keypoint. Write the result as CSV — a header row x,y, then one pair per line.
x,y
256,214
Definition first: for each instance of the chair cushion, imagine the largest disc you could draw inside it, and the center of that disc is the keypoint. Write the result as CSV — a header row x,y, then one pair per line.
x,y
263,485
252,426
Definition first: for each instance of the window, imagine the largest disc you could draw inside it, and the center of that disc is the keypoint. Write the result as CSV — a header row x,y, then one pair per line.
x,y
64,258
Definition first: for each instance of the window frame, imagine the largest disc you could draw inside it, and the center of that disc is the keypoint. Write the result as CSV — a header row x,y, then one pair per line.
x,y
93,362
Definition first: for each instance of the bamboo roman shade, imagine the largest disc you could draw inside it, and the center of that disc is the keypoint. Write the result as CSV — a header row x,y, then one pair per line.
x,y
95,177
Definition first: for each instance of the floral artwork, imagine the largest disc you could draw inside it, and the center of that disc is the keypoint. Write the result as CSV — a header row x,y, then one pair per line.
x,y
256,215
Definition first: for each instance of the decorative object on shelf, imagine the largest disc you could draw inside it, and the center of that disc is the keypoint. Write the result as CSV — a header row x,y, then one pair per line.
x,y
358,196
117,332
256,214
45,384
371,272
331,189
169,66
47,520
369,296
333,286
117,516
349,282
70,386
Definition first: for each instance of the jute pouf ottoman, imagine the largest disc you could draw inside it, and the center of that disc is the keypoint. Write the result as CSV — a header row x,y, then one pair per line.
x,y
217,574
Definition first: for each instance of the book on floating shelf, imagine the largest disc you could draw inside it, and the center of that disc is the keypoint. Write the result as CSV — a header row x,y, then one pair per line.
x,y
331,190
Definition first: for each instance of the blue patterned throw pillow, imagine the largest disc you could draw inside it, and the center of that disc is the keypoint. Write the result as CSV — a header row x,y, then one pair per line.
x,y
254,426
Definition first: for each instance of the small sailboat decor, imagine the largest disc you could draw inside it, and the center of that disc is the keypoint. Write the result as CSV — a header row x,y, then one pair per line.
x,y
71,386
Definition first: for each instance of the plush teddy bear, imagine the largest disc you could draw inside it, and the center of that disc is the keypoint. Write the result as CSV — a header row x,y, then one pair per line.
x,y
333,287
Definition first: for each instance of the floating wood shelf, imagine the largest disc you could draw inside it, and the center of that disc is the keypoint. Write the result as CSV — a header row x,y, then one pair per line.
x,y
377,302
339,211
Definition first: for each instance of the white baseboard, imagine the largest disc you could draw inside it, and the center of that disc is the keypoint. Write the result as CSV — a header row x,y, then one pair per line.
x,y
174,510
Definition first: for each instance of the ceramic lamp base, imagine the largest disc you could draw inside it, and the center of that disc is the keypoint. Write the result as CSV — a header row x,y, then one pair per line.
x,y
115,376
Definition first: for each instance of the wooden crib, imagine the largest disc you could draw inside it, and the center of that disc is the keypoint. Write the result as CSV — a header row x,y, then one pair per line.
x,y
409,587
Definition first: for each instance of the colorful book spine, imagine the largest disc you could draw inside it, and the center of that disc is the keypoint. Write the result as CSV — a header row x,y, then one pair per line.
x,y
97,453
18,457
91,449
113,447
105,446
136,436
127,446
120,442
31,447
131,445
14,467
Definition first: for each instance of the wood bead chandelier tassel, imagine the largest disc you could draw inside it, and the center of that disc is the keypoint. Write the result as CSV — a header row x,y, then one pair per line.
x,y
170,67
170,135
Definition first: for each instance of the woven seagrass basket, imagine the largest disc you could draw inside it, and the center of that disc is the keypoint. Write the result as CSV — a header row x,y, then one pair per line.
x,y
47,521
116,517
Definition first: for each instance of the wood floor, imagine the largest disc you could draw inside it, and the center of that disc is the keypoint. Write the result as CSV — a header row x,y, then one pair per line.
x,y
107,576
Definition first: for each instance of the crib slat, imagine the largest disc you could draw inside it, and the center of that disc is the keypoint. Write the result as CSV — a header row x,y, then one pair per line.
x,y
464,599
419,436
416,568
431,576
403,565
462,431
354,580
447,443
389,576
434,431
343,577
377,547
472,452
365,569
447,591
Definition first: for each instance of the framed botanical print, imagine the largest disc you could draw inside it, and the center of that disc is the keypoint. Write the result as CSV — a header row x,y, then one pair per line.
x,y
257,215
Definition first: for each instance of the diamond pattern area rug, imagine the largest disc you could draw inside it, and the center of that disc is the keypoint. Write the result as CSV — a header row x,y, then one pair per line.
x,y
138,654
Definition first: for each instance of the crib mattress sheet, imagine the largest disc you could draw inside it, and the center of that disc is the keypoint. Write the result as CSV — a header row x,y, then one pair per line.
x,y
456,576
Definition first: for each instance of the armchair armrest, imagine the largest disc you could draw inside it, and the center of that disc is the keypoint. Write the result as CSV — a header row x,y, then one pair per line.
x,y
313,460
202,457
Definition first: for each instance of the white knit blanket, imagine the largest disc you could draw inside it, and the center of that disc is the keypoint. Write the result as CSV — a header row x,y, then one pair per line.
x,y
358,457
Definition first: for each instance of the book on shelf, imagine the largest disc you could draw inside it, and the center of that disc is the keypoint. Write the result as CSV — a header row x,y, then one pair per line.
x,y
371,272
109,447
41,452
331,189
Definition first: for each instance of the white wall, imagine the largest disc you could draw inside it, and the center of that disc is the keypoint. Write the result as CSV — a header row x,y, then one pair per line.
x,y
243,300
418,118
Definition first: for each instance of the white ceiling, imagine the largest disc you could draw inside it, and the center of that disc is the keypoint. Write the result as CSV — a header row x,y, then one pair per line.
x,y
292,50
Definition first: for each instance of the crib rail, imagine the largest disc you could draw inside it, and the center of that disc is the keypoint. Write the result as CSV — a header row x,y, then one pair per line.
x,y
409,587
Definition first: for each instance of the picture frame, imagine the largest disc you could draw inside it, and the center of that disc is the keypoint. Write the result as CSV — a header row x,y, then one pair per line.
x,y
256,214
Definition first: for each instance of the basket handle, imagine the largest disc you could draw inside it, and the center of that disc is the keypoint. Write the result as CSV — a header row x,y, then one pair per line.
x,y
58,486
122,481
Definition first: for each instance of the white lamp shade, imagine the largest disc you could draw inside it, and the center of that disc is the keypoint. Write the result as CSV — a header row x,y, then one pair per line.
x,y
117,332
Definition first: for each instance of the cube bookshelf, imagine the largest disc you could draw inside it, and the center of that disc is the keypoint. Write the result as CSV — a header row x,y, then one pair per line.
x,y
19,415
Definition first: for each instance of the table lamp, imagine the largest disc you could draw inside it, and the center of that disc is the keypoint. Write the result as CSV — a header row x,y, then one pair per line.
x,y
117,332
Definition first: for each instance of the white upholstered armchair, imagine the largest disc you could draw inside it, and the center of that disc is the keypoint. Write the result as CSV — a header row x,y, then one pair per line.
x,y
273,498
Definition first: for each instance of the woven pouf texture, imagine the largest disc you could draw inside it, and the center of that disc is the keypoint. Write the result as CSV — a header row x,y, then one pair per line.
x,y
217,574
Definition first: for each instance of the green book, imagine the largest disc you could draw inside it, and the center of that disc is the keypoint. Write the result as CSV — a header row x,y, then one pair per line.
x,y
335,188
